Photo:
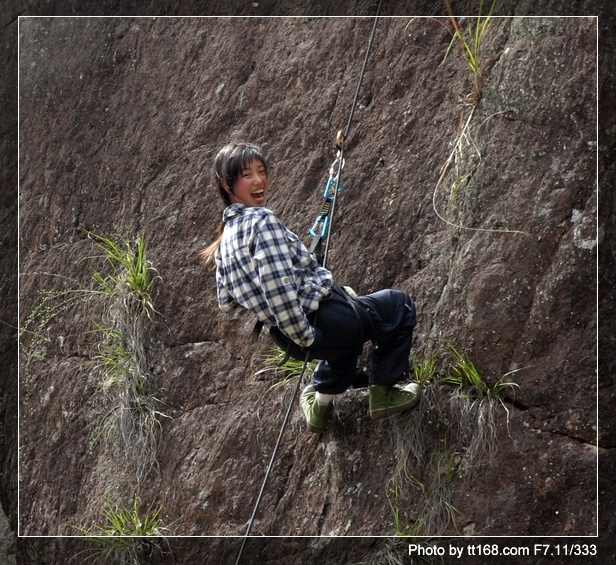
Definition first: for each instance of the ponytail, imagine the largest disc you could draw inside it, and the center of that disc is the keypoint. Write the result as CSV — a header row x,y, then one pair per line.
x,y
207,253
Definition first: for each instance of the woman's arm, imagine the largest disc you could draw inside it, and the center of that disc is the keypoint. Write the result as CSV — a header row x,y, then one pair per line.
x,y
274,265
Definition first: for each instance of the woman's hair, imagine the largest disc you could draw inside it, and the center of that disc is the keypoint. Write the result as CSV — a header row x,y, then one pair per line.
x,y
229,163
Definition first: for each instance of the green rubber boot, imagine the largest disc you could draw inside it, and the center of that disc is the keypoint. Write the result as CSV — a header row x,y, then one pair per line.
x,y
316,414
386,401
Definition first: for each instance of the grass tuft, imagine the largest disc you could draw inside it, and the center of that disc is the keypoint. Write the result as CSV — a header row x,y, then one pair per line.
x,y
283,372
132,422
440,444
122,292
125,536
130,278
471,40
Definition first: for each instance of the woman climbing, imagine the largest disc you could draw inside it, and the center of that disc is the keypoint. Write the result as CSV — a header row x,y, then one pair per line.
x,y
263,267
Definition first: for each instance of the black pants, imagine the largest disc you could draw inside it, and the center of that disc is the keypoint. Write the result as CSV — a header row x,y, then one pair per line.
x,y
392,317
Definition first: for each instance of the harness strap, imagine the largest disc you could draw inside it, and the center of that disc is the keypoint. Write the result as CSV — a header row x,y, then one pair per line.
x,y
256,331
364,320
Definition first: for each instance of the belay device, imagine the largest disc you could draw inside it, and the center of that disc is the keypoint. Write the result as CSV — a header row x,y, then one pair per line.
x,y
320,229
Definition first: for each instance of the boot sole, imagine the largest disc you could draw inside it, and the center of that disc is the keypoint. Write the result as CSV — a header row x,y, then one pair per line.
x,y
316,430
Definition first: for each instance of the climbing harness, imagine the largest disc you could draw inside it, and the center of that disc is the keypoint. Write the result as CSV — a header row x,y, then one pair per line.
x,y
320,231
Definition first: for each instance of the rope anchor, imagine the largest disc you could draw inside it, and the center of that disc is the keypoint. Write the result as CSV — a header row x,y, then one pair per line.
x,y
319,229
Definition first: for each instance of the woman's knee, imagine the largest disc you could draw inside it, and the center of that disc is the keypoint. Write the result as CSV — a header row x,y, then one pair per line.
x,y
396,308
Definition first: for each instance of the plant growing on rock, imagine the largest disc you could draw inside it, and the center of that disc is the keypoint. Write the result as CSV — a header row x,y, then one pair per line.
x,y
129,281
474,404
432,512
465,155
34,334
284,370
123,293
132,421
125,535
470,40
440,443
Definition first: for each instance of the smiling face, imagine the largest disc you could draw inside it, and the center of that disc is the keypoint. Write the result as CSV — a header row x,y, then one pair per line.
x,y
251,185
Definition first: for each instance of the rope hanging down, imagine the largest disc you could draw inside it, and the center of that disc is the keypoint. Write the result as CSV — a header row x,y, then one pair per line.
x,y
323,224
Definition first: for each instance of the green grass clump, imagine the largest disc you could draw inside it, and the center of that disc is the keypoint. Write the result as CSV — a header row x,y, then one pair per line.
x,y
121,294
130,272
126,536
465,374
283,371
441,443
424,370
131,423
471,40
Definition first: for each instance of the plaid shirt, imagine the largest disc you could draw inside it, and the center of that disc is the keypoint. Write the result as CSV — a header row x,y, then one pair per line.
x,y
263,267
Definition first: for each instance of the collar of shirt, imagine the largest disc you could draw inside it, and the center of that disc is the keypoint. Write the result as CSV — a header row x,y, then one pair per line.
x,y
233,211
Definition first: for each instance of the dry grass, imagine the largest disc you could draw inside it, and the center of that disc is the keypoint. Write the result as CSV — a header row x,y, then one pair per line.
x,y
131,421
441,444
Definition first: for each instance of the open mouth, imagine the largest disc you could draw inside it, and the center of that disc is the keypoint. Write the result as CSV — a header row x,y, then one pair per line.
x,y
258,194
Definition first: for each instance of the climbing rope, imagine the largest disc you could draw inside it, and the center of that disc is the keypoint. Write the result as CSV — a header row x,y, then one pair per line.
x,y
323,224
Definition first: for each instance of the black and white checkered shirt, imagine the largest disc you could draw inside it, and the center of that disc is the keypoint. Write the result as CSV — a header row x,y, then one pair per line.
x,y
263,267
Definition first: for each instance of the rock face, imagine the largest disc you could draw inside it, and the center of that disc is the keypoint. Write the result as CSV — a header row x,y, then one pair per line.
x,y
483,208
